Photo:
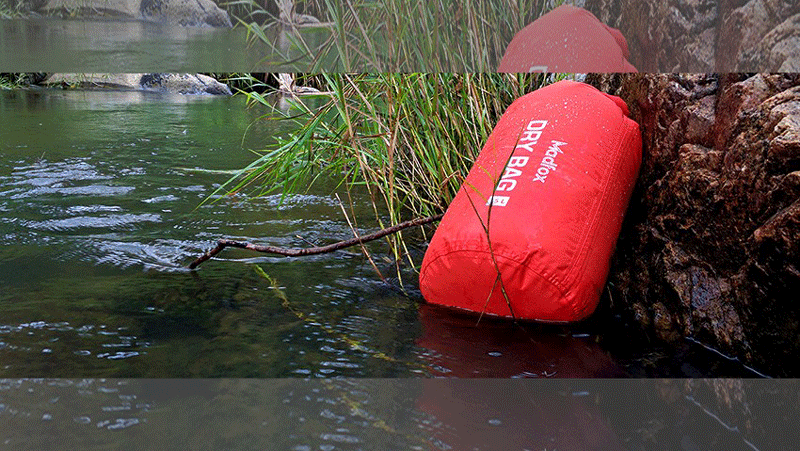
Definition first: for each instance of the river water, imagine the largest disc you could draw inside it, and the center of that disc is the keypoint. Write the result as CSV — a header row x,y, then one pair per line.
x,y
102,207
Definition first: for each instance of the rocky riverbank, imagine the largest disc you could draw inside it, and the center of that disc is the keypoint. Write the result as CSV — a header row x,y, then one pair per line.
x,y
167,83
706,35
709,249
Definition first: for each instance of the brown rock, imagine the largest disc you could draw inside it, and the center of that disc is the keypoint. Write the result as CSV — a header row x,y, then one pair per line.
x,y
666,36
783,45
663,323
710,246
707,35
759,36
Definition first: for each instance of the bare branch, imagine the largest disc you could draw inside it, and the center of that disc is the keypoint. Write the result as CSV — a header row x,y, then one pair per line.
x,y
222,244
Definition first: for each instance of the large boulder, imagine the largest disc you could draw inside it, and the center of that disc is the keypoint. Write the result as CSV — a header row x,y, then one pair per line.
x,y
168,83
184,84
176,12
710,250
706,35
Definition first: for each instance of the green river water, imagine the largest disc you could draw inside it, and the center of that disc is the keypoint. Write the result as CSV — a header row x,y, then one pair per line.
x,y
100,211
97,45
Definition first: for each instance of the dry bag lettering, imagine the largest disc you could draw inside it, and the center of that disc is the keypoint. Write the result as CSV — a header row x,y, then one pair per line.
x,y
551,185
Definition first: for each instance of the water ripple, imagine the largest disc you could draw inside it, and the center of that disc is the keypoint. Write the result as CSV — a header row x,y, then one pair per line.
x,y
158,199
163,255
43,173
90,190
30,337
68,177
113,222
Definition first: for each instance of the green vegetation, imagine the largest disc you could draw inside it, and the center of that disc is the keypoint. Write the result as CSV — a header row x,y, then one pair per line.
x,y
244,82
12,9
14,81
397,35
407,139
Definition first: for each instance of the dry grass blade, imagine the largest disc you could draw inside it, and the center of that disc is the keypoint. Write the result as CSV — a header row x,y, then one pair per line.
x,y
360,240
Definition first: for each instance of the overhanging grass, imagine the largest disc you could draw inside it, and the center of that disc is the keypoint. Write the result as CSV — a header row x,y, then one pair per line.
x,y
408,139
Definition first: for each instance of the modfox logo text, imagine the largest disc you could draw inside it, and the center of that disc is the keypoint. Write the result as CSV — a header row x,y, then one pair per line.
x,y
515,168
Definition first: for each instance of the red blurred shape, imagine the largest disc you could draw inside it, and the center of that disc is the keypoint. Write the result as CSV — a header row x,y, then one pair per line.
x,y
567,39
455,346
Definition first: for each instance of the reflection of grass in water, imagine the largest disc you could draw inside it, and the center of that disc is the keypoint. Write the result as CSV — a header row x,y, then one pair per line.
x,y
354,344
282,413
219,327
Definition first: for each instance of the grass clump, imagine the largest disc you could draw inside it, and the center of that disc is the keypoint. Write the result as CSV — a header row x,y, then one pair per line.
x,y
397,35
9,81
13,9
408,139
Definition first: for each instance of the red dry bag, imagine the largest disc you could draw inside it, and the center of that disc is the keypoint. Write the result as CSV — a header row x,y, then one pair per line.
x,y
567,39
549,188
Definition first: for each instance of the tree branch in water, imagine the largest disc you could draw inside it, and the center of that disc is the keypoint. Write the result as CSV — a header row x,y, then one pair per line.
x,y
222,244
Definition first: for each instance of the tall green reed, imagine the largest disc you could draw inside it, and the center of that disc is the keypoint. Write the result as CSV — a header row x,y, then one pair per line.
x,y
403,35
409,140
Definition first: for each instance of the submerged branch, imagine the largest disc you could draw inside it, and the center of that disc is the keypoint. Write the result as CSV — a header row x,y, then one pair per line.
x,y
222,244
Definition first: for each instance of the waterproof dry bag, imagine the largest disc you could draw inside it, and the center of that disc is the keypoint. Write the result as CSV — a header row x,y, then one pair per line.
x,y
531,230
567,39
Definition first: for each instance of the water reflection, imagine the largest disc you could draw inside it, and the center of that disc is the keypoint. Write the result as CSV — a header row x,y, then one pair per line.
x,y
488,415
115,46
400,414
456,345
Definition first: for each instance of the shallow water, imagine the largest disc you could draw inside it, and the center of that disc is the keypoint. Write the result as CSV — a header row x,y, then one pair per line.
x,y
101,209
